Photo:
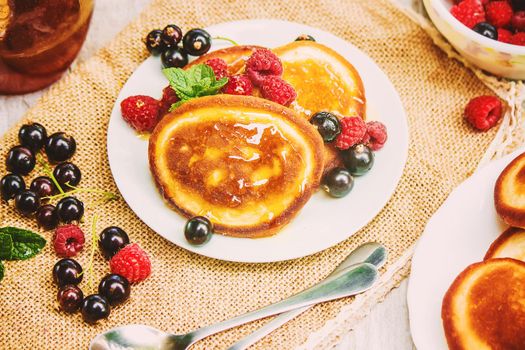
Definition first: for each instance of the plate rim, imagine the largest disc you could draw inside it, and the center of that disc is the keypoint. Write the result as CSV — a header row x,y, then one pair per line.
x,y
403,147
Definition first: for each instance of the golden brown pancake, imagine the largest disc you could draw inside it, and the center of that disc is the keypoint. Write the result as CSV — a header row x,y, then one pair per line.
x,y
246,163
510,244
484,307
509,193
323,80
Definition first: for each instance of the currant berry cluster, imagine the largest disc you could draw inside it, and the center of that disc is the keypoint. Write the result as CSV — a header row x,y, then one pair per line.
x,y
34,200
128,264
174,47
356,141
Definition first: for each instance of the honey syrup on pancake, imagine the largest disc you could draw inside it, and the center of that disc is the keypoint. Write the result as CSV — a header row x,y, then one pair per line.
x,y
229,162
317,85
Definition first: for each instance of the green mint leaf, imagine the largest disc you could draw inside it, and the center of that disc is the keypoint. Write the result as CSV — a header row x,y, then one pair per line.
x,y
197,81
6,246
26,244
1,271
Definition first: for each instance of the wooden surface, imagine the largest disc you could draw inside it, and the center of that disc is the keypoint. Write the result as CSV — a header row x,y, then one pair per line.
x,y
387,325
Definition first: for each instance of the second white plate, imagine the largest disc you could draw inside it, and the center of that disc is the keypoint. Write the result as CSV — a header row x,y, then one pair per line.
x,y
457,235
324,221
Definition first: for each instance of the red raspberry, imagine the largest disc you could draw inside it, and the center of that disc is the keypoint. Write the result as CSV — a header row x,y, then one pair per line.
x,y
469,12
518,21
141,112
499,13
277,90
504,35
353,130
376,135
219,66
238,85
263,63
518,39
169,97
68,240
483,112
131,262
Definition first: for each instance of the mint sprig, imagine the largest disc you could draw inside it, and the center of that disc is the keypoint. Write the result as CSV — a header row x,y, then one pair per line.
x,y
18,244
194,82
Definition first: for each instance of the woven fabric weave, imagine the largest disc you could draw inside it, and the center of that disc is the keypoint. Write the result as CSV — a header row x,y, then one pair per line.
x,y
187,291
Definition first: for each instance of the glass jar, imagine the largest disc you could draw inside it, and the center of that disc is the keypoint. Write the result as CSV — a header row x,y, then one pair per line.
x,y
38,41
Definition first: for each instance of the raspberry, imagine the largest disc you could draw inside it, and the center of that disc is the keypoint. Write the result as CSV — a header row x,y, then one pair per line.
x,y
504,35
353,131
483,112
131,262
499,13
263,63
238,85
518,39
375,136
141,112
219,66
68,240
277,90
469,12
169,97
518,21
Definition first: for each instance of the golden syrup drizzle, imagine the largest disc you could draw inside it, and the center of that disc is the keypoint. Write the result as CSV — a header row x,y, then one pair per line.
x,y
229,163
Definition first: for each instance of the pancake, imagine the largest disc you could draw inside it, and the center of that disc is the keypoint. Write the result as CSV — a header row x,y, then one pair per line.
x,y
510,244
246,163
509,193
323,80
484,307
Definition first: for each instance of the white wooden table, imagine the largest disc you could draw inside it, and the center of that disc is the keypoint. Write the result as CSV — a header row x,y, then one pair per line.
x,y
387,325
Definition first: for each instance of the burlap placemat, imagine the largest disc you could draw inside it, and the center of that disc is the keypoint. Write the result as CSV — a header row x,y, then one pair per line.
x,y
187,291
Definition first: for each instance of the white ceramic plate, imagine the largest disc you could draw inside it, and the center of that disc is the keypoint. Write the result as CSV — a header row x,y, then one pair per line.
x,y
457,235
324,221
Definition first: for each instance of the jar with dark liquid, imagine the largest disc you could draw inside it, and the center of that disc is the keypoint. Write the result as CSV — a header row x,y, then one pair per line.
x,y
38,41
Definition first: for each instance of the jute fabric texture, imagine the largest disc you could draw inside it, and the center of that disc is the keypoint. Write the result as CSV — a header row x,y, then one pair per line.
x,y
186,290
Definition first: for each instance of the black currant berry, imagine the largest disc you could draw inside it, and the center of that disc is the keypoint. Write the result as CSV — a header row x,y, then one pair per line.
x,y
112,239
20,160
70,209
70,298
46,217
174,57
32,136
337,182
196,42
154,42
327,124
486,29
198,230
94,307
358,159
60,147
171,35
27,202
11,185
115,288
67,271
43,186
67,174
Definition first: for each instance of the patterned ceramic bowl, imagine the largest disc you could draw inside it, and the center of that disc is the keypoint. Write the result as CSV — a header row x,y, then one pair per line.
x,y
501,59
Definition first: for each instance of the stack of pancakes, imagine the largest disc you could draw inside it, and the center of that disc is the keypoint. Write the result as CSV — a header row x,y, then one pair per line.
x,y
246,163
484,307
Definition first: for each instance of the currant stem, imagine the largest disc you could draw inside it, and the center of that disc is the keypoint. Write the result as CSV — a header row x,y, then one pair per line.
x,y
92,256
231,41
49,173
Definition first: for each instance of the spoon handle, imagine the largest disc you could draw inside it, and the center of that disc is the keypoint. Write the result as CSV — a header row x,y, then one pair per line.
x,y
373,253
354,280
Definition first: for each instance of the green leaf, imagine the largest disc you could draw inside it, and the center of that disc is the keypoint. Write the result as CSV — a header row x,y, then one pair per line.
x,y
197,81
6,246
1,271
26,244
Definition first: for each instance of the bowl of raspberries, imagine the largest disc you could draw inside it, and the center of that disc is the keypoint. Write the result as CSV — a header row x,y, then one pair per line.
x,y
488,33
